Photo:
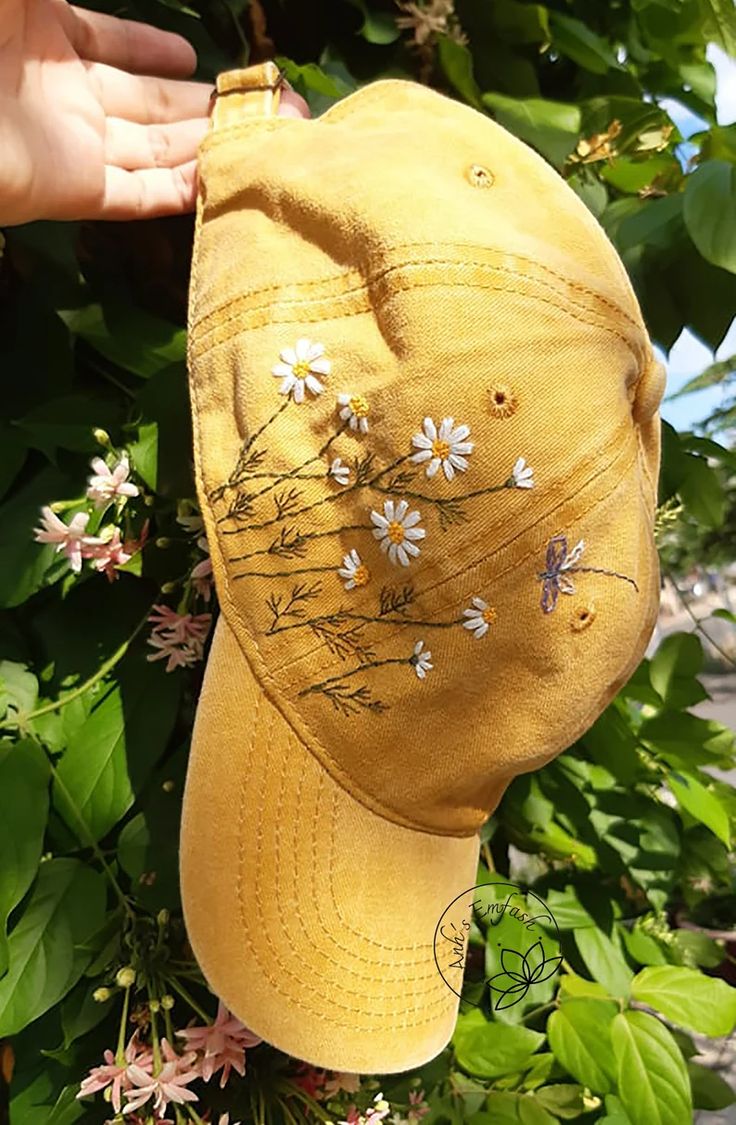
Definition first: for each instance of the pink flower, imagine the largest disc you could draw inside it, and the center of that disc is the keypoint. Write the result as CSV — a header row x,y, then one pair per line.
x,y
418,1108
169,1085
311,1079
178,637
225,1120
109,554
340,1080
353,1116
222,1044
201,576
68,538
108,483
118,1077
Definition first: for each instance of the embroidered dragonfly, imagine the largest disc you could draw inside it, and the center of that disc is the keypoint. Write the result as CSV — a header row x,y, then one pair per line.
x,y
560,564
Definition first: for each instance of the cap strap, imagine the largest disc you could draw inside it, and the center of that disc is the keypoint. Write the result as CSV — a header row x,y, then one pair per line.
x,y
253,91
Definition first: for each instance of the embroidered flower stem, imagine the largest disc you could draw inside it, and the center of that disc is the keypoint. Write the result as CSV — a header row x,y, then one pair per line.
x,y
358,484
353,672
384,620
285,573
278,478
290,542
235,476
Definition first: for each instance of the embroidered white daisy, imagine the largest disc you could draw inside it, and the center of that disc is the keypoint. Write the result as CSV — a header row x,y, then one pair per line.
x,y
522,476
447,447
355,411
300,367
397,531
354,570
338,471
478,617
420,660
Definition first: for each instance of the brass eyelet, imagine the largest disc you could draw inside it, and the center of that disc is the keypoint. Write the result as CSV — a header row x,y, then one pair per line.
x,y
479,176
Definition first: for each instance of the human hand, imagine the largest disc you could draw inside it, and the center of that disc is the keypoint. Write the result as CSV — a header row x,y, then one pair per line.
x,y
96,120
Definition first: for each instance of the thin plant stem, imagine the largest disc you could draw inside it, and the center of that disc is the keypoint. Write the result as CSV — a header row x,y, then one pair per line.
x,y
101,672
698,623
120,1052
188,999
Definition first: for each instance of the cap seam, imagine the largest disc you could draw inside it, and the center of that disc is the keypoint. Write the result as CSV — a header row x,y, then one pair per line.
x,y
371,278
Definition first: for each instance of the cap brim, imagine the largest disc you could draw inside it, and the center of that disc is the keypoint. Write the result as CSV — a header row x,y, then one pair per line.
x,y
312,917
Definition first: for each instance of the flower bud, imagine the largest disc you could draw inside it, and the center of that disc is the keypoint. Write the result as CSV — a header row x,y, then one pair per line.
x,y
162,541
168,786
154,1005
167,1002
102,437
101,995
162,917
126,977
168,587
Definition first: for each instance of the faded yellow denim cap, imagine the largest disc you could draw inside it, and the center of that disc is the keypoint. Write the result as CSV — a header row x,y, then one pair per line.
x,y
427,446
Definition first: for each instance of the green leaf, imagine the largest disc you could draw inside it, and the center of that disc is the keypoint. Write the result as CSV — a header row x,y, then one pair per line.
x,y
68,423
579,1034
46,949
673,668
492,1049
552,128
710,212
24,802
129,337
710,1091
576,40
652,1078
24,563
563,1099
701,803
456,62
117,747
18,693
688,998
603,960
702,493
80,1012
633,174
378,27
719,24
656,222
144,454
686,740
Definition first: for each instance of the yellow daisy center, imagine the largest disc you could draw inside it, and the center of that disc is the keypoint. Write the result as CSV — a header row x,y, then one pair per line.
x,y
362,575
489,615
359,406
440,449
396,532
300,369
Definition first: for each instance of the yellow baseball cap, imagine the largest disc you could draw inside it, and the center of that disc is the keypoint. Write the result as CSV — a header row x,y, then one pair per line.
x,y
427,446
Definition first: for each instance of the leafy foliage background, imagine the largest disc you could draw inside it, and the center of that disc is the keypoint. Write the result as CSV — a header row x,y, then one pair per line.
x,y
624,836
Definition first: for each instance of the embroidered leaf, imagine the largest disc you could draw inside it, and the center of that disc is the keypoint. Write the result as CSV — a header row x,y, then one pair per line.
x,y
350,701
450,512
286,501
395,601
343,637
363,467
290,544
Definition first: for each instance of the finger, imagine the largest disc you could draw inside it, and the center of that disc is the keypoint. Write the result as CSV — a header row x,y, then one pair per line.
x,y
128,145
127,44
149,101
149,192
